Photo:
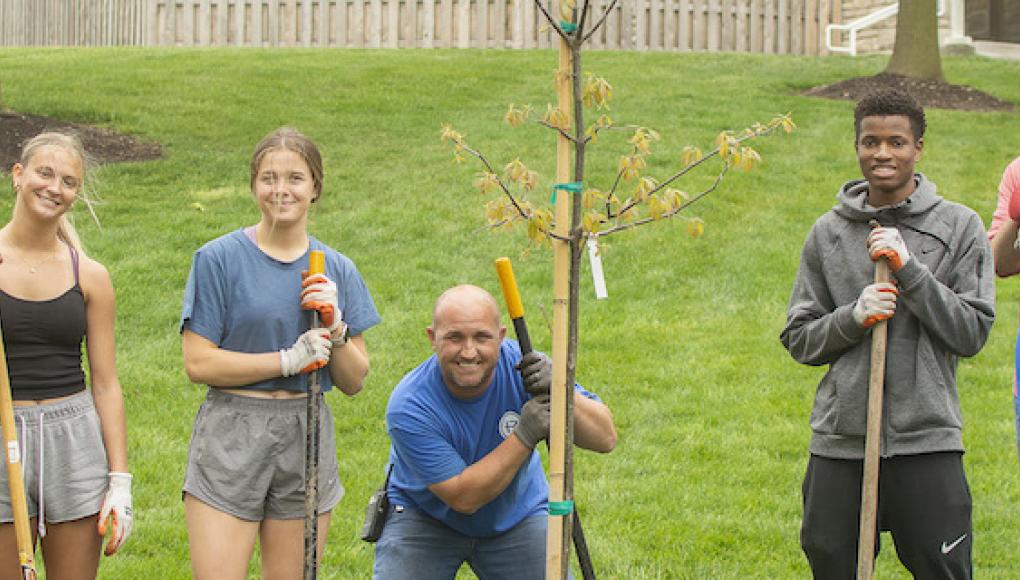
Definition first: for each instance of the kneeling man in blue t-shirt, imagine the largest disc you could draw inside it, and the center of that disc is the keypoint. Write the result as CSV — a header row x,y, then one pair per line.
x,y
466,482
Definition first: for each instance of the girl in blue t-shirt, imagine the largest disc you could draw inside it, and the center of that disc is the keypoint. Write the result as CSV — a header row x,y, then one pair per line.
x,y
245,332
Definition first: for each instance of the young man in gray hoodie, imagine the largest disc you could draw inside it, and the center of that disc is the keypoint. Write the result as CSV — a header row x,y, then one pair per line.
x,y
940,307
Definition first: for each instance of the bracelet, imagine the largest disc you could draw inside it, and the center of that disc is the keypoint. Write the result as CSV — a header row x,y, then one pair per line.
x,y
341,340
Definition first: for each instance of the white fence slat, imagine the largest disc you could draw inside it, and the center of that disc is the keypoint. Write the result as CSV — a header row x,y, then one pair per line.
x,y
669,25
782,28
463,26
530,39
499,13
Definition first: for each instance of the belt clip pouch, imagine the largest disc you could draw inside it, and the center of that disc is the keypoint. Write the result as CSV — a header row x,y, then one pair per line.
x,y
375,514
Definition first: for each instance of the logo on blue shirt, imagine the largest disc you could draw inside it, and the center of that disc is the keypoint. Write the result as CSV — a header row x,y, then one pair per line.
x,y
508,422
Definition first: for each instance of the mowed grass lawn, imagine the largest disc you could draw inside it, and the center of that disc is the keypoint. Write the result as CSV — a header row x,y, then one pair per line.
x,y
712,412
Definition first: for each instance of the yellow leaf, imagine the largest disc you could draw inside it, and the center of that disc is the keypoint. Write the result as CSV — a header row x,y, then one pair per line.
x,y
486,182
627,216
198,206
674,198
645,186
529,180
597,92
515,170
695,227
448,134
655,208
750,158
690,155
723,143
516,117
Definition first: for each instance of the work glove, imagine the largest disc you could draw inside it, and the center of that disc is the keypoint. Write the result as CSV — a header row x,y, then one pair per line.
x,y
310,352
876,302
319,293
117,509
533,425
536,370
887,243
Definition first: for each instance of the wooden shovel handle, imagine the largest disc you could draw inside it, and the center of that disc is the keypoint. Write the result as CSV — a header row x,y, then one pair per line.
x,y
873,441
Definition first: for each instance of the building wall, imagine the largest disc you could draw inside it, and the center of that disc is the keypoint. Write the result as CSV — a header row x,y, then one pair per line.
x,y
881,36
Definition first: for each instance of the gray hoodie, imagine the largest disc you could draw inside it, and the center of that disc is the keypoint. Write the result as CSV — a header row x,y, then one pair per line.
x,y
945,310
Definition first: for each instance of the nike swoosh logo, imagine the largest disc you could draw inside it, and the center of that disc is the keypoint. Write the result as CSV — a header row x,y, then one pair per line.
x,y
946,548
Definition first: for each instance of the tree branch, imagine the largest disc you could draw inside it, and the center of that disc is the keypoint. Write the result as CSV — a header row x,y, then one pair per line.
x,y
499,181
612,192
601,21
669,214
598,128
557,129
585,8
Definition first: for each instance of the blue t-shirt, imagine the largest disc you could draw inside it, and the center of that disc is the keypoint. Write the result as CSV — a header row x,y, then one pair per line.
x,y
436,436
243,300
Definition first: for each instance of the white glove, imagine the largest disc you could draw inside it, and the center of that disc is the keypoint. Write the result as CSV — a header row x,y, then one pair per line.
x,y
877,302
888,243
319,293
116,508
310,352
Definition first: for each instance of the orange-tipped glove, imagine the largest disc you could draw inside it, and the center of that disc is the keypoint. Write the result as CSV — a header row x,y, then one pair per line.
x,y
309,353
888,243
319,293
117,509
877,302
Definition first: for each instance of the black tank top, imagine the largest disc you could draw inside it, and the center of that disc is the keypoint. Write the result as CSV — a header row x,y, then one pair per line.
x,y
42,340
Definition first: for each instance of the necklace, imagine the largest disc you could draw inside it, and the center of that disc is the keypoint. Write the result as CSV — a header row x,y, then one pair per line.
x,y
33,268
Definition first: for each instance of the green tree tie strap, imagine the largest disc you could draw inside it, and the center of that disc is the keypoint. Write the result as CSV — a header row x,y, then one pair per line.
x,y
561,508
568,27
571,186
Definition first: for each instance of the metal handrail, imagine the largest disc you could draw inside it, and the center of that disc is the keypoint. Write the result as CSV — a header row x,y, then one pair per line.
x,y
863,22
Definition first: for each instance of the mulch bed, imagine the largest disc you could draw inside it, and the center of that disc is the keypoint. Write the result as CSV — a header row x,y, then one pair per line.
x,y
104,145
930,93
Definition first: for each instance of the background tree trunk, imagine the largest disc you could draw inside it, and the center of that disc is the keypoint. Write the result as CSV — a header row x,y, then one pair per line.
x,y
916,52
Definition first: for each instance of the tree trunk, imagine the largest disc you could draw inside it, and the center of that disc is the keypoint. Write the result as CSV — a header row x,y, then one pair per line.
x,y
916,52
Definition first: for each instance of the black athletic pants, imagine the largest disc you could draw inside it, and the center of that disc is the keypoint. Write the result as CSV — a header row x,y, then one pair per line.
x,y
923,500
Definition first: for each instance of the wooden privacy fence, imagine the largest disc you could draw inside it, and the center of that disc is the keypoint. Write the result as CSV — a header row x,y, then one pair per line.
x,y
772,26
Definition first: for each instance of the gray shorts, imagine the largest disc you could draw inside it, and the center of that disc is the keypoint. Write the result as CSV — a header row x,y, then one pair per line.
x,y
247,457
63,459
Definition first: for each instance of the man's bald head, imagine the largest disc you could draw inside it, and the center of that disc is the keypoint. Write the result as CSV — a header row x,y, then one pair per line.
x,y
464,296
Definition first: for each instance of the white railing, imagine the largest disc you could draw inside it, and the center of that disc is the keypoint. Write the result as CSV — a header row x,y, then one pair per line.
x,y
853,27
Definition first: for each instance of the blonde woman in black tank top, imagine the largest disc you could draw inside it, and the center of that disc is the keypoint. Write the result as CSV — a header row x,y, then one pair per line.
x,y
53,297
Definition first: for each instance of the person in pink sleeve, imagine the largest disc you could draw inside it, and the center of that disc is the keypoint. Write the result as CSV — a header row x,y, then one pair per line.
x,y
1006,247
